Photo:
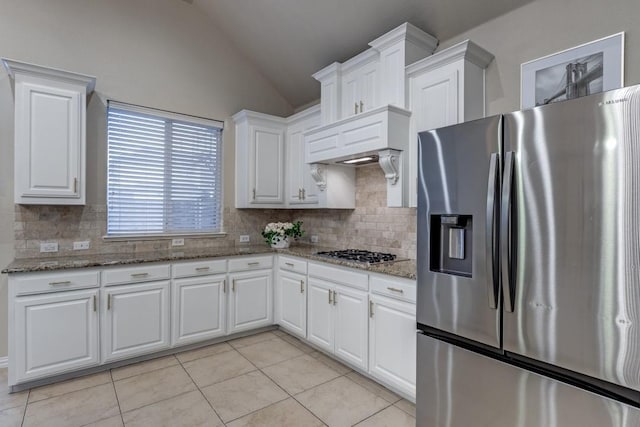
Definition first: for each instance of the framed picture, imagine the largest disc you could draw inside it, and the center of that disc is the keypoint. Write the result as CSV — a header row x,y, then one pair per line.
x,y
583,70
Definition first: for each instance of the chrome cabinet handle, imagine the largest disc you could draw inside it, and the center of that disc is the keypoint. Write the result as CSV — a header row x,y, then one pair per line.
x,y
139,275
300,193
60,283
95,308
506,247
304,196
361,106
491,262
233,285
302,286
254,194
75,185
108,301
329,292
253,263
400,291
200,269
335,300
355,110
289,264
224,286
371,309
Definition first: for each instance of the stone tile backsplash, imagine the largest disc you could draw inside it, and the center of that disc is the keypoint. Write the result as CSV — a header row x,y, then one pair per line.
x,y
371,225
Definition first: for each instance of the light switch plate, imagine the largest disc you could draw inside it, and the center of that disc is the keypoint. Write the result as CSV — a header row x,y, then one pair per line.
x,y
48,246
244,238
177,242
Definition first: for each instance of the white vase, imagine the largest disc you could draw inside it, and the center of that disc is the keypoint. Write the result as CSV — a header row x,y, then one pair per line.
x,y
281,244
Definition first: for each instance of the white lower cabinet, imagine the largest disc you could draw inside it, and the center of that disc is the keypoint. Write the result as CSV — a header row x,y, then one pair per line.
x,y
337,320
250,300
55,333
392,343
135,320
198,309
291,302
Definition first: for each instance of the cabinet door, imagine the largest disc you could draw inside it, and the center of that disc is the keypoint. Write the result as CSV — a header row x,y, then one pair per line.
x,y
267,165
368,86
350,93
49,126
198,309
135,320
292,302
320,322
434,102
392,343
250,300
55,333
351,328
301,188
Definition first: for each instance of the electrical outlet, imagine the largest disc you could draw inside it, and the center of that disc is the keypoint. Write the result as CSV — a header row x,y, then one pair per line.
x,y
177,242
81,246
48,246
244,238
314,239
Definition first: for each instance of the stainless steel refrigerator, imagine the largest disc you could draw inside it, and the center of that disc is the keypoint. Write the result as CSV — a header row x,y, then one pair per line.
x,y
529,267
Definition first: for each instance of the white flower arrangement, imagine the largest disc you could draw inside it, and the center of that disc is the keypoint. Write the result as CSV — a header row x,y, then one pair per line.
x,y
274,232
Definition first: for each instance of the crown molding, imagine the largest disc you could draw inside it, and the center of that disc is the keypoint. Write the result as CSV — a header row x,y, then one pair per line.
x,y
467,50
327,71
409,33
14,68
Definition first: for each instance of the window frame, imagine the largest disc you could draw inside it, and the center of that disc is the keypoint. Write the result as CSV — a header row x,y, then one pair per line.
x,y
173,116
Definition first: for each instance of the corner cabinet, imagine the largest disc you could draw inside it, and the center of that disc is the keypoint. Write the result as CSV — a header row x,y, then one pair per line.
x,y
259,160
50,134
250,293
301,188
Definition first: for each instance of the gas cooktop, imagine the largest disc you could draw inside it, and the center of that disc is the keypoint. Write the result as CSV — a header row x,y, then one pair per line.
x,y
359,255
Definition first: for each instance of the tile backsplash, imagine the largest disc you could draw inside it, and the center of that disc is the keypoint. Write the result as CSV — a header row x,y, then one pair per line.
x,y
371,225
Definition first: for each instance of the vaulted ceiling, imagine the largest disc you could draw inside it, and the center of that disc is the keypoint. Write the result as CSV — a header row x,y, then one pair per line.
x,y
288,40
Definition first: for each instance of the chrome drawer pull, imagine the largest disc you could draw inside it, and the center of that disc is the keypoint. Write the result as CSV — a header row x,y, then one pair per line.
x,y
202,269
138,275
302,286
253,263
289,264
63,282
395,290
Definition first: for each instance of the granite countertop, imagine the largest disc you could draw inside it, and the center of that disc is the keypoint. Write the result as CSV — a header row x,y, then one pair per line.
x,y
402,268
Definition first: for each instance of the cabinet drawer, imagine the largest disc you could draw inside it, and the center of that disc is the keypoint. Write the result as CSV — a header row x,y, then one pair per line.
x,y
37,283
292,264
200,268
343,276
250,263
399,288
145,273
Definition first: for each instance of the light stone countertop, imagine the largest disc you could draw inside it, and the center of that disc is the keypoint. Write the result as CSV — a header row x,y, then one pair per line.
x,y
402,268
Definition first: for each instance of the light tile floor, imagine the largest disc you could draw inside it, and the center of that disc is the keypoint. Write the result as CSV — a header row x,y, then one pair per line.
x,y
267,379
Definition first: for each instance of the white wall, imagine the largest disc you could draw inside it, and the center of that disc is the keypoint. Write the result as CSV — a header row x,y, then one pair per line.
x,y
157,53
544,27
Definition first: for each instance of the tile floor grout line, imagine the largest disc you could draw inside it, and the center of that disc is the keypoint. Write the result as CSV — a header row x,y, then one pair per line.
x,y
113,384
202,393
72,391
145,372
24,413
375,413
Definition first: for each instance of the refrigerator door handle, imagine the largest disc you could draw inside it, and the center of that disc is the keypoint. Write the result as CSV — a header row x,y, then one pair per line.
x,y
505,232
492,187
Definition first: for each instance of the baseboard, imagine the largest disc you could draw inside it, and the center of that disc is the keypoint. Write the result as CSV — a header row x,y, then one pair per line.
x,y
4,362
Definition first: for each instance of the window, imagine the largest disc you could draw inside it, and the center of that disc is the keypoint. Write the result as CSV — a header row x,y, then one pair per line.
x,y
164,172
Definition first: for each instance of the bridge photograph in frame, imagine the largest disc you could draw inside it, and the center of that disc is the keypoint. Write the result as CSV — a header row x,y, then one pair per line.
x,y
582,70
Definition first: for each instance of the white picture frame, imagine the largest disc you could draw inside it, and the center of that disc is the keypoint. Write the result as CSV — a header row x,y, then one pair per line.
x,y
542,80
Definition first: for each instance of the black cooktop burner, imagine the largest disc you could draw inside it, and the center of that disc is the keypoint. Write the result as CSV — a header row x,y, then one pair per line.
x,y
359,256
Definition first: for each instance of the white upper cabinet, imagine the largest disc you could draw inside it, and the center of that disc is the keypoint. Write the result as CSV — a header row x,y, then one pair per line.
x,y
444,89
50,134
360,84
259,160
301,188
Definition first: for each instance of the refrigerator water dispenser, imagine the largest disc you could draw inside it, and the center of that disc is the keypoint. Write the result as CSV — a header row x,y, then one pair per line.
x,y
451,248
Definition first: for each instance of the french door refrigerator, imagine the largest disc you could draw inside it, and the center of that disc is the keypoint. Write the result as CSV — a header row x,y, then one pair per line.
x,y
529,267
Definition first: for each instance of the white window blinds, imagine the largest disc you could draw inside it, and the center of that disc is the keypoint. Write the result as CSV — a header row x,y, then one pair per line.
x,y
164,172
